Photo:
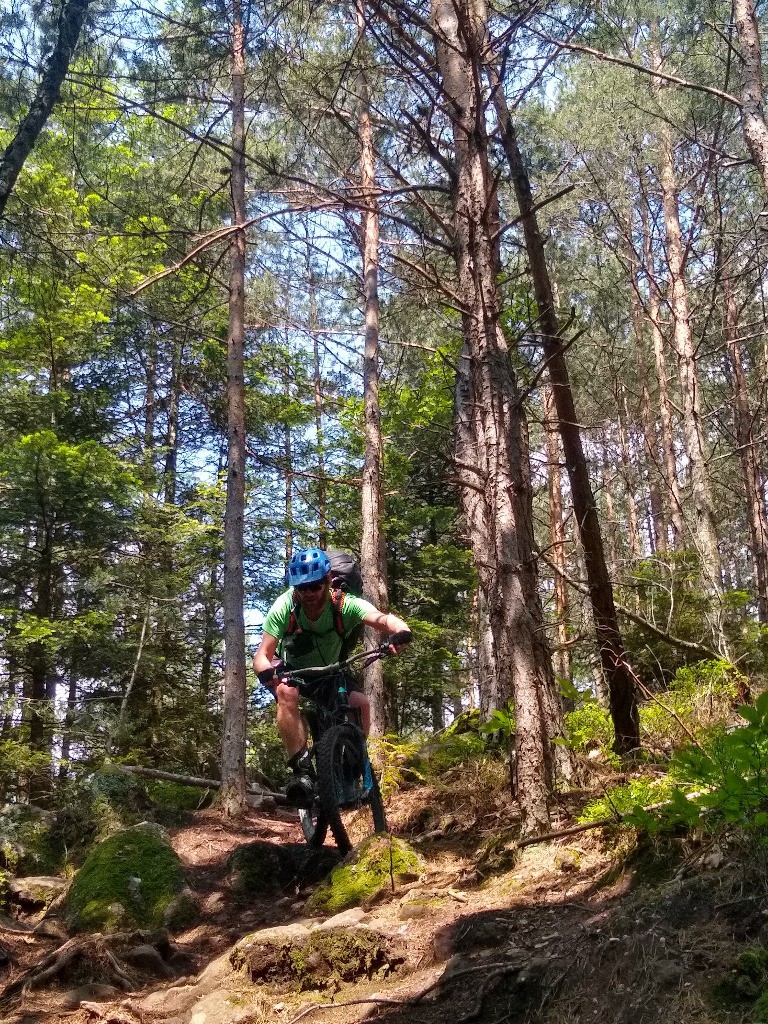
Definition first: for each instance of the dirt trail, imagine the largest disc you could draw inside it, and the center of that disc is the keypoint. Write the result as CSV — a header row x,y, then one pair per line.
x,y
561,926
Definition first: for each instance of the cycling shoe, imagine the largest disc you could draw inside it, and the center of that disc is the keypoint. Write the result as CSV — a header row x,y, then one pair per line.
x,y
300,791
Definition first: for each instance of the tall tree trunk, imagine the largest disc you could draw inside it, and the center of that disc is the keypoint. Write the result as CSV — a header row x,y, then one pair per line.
x,y
233,791
747,442
705,535
322,513
288,456
372,557
557,536
751,86
627,474
623,700
498,431
665,404
172,429
658,525
71,18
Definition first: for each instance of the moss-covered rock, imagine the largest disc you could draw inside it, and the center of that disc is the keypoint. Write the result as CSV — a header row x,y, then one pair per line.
x,y
261,869
333,955
129,880
746,983
377,864
322,958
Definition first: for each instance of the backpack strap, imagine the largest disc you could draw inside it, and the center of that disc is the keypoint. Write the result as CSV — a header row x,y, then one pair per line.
x,y
293,621
337,604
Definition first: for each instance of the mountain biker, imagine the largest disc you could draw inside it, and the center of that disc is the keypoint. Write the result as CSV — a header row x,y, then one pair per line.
x,y
301,627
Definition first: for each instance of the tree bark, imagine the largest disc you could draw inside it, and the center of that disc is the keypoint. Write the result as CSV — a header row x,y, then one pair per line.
x,y
492,442
557,536
665,405
322,514
744,421
751,86
704,532
233,791
623,700
48,92
372,558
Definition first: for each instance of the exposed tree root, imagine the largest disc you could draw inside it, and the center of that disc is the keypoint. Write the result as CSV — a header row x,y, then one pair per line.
x,y
93,954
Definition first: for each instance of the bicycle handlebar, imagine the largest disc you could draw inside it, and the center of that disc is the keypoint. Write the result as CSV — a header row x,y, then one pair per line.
x,y
294,676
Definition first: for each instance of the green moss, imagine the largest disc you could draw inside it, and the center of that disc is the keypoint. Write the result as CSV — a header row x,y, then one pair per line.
x,y
746,983
380,861
261,869
127,880
334,955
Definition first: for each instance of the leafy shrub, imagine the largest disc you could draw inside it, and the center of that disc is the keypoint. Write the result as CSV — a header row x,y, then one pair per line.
x,y
449,751
18,761
731,770
264,750
629,799
698,696
589,727
174,796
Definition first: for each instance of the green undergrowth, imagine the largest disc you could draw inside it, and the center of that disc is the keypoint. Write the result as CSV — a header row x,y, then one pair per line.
x,y
718,781
377,865
745,987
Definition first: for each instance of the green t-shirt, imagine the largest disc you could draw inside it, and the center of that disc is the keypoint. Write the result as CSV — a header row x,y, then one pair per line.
x,y
317,644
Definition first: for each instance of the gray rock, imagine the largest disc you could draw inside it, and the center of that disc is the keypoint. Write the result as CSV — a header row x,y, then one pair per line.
x,y
91,993
36,890
147,958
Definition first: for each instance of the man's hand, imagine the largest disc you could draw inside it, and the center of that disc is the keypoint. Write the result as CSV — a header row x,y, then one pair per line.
x,y
399,640
268,677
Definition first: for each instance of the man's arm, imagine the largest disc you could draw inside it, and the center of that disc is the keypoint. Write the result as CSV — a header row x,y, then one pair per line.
x,y
262,659
385,622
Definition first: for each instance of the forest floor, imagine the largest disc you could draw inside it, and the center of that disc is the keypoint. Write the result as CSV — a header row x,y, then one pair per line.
x,y
567,931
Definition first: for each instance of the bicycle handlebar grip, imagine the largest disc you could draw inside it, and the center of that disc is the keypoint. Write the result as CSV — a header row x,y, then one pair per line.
x,y
403,637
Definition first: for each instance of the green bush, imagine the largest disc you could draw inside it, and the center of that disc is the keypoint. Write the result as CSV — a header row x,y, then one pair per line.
x,y
174,796
264,749
589,727
629,799
698,696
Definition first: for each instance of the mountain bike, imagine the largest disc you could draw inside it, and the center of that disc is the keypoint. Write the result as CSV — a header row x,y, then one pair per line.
x,y
347,792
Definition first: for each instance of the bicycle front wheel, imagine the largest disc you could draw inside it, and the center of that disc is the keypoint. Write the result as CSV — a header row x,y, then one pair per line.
x,y
348,792
313,824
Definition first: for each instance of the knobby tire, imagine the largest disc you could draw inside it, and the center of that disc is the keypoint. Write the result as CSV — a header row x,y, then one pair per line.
x,y
338,751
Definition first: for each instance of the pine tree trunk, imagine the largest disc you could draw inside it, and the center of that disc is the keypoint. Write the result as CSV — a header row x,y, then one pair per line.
x,y
492,414
372,557
172,430
232,794
71,18
288,456
704,533
557,536
623,700
322,514
744,420
751,86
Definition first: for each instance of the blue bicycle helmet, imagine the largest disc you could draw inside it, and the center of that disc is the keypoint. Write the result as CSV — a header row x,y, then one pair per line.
x,y
306,566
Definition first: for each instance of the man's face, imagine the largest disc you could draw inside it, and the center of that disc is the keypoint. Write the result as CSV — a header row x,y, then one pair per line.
x,y
312,597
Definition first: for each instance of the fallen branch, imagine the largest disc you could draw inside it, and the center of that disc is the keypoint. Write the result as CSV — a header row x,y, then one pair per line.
x,y
193,780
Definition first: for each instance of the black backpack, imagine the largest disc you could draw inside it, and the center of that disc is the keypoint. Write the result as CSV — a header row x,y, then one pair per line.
x,y
346,578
